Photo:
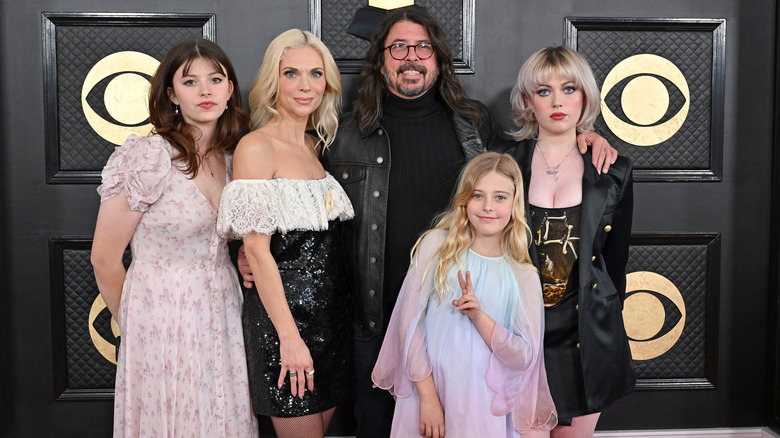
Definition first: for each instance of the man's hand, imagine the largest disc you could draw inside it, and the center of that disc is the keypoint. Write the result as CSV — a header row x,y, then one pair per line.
x,y
244,268
603,154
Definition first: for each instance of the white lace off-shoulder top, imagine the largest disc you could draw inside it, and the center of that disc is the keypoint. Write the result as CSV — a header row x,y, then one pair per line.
x,y
281,205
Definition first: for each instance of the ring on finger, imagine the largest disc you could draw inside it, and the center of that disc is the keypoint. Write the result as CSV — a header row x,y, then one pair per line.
x,y
310,373
293,374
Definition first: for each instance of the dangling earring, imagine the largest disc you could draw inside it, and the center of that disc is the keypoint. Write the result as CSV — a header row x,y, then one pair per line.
x,y
176,110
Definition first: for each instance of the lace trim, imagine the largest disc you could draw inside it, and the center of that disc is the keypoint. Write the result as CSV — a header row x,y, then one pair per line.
x,y
281,205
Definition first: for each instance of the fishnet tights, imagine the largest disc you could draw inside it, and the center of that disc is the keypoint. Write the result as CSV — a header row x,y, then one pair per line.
x,y
308,426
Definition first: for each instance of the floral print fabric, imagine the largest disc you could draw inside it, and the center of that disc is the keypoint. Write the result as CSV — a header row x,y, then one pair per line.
x,y
181,368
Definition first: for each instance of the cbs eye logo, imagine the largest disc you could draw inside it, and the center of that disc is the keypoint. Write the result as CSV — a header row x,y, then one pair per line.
x,y
653,313
98,314
122,80
646,84
390,4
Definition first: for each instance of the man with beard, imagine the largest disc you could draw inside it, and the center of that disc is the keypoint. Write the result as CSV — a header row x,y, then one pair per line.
x,y
412,113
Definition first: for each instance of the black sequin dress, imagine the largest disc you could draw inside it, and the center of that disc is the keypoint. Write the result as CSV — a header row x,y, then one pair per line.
x,y
308,253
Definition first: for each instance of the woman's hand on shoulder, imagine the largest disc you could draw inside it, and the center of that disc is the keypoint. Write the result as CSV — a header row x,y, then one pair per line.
x,y
254,157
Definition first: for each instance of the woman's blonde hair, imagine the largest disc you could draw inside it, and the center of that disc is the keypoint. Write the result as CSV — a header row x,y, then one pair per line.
x,y
460,232
537,70
263,97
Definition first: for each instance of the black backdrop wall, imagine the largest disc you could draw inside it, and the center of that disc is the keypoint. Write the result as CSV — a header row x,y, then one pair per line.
x,y
48,210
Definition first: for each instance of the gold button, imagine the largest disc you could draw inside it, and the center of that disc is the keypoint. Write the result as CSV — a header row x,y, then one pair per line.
x,y
578,344
372,324
371,293
374,227
344,175
380,132
608,228
594,285
376,193
373,260
577,307
593,259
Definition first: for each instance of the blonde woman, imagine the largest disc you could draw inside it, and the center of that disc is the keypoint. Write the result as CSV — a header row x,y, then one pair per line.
x,y
286,208
462,354
580,220
181,369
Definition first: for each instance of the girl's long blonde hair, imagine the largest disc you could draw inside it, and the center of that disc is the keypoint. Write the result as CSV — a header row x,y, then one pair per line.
x,y
460,232
265,87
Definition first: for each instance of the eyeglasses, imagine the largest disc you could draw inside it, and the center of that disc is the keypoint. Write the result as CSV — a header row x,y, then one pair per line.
x,y
399,51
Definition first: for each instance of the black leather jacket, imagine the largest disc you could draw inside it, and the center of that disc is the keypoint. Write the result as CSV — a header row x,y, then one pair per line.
x,y
362,165
606,216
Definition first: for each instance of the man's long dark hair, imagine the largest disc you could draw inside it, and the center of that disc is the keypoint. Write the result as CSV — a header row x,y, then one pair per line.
x,y
371,85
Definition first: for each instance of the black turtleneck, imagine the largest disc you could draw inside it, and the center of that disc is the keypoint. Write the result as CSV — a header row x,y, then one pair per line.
x,y
425,159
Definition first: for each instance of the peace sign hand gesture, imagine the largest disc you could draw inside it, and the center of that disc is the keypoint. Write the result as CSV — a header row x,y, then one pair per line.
x,y
468,302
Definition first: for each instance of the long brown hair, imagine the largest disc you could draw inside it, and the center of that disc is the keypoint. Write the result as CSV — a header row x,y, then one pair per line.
x,y
371,85
171,126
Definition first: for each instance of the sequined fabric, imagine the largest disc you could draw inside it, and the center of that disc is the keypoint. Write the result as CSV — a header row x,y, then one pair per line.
x,y
556,232
311,265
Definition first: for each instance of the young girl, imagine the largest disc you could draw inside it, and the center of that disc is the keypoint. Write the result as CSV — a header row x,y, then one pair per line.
x,y
462,354
581,226
181,369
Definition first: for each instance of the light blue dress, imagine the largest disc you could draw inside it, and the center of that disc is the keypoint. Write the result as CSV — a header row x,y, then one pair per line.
x,y
494,390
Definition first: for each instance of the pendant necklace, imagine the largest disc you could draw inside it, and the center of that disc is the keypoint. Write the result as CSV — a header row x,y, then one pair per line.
x,y
553,170
206,158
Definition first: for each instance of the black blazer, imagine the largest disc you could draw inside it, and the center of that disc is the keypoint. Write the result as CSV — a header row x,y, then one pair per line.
x,y
605,227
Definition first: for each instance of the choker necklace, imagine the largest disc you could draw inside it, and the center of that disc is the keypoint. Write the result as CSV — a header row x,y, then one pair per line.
x,y
553,170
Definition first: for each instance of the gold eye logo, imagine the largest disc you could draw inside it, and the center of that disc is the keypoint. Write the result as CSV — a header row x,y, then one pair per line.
x,y
645,99
124,98
648,296
390,4
103,346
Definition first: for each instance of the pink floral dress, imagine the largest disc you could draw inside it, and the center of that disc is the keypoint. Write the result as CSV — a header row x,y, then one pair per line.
x,y
181,368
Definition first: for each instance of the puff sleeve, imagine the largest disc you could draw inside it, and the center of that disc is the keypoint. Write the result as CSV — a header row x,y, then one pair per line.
x,y
140,168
